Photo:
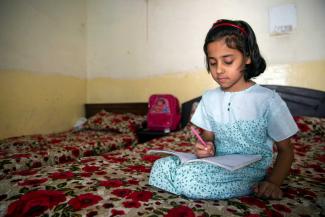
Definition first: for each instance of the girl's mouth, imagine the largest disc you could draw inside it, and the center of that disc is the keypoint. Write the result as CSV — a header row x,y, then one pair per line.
x,y
222,80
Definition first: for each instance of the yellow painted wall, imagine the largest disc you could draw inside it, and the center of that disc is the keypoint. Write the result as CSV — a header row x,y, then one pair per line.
x,y
189,85
39,103
183,85
309,74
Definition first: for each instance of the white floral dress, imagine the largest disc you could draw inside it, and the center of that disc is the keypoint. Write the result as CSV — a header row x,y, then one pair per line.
x,y
245,122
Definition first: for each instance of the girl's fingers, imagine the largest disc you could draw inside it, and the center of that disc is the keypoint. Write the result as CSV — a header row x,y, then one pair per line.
x,y
211,148
200,146
261,189
203,151
277,194
268,190
255,188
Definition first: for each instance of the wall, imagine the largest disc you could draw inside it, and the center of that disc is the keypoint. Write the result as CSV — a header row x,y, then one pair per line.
x,y
37,103
42,65
143,47
57,54
183,85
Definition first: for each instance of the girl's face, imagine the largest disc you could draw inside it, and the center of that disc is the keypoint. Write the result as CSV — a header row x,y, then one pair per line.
x,y
227,65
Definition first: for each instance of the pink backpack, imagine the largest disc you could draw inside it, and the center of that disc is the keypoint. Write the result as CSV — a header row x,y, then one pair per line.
x,y
163,112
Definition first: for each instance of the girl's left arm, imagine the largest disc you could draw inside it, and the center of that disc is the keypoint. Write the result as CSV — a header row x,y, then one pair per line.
x,y
271,186
282,163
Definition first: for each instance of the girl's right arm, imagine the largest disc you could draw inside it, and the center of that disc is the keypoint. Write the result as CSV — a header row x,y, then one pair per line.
x,y
202,150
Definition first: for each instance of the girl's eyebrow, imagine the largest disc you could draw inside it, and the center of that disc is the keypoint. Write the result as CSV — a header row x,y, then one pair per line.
x,y
227,55
224,56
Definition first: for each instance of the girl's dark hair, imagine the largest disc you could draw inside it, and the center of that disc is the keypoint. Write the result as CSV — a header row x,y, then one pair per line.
x,y
238,35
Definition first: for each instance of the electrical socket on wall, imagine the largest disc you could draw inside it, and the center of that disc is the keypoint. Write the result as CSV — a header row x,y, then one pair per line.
x,y
282,19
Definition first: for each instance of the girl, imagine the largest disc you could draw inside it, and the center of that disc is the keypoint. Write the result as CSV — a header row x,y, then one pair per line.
x,y
238,117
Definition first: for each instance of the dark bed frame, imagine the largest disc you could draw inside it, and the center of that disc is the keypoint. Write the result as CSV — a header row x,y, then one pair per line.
x,y
300,101
139,108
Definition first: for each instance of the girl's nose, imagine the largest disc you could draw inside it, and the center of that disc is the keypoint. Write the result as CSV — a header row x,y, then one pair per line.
x,y
220,69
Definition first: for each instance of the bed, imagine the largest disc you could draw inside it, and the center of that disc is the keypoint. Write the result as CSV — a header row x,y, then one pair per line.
x,y
116,183
109,127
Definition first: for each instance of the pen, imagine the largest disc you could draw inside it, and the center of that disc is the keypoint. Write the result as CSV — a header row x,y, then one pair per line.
x,y
198,136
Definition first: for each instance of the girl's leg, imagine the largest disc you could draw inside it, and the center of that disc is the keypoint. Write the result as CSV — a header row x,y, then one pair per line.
x,y
204,181
163,174
201,180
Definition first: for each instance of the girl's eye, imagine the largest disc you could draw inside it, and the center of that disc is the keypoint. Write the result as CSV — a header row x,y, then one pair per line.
x,y
212,63
228,62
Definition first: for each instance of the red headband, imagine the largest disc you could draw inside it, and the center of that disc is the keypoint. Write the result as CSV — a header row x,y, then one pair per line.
x,y
241,29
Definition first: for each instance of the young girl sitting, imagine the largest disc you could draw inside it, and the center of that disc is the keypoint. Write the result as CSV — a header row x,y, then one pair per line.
x,y
238,117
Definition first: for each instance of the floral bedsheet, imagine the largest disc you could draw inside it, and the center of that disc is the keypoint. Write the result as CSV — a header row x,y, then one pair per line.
x,y
116,184
34,151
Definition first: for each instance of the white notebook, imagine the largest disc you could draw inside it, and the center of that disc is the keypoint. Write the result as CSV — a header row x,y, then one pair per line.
x,y
230,162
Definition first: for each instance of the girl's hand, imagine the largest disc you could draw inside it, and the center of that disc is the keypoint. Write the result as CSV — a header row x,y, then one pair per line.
x,y
268,190
202,151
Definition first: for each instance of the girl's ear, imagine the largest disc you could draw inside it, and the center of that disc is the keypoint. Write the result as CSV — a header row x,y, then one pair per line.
x,y
248,60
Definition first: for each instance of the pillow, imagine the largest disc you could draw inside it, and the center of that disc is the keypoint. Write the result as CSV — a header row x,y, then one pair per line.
x,y
121,123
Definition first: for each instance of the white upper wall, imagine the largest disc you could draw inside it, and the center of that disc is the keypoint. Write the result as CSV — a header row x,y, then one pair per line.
x,y
139,38
44,36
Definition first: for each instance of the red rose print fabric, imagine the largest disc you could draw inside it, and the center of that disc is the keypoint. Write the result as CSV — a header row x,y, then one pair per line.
x,y
20,153
115,183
